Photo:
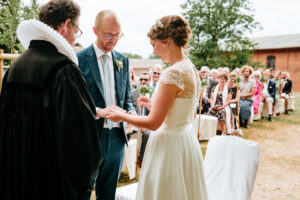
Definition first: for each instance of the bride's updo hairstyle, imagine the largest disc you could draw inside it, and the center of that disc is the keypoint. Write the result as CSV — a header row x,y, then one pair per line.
x,y
171,26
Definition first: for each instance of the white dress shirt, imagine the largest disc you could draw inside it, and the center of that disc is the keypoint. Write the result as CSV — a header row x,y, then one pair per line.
x,y
110,65
265,90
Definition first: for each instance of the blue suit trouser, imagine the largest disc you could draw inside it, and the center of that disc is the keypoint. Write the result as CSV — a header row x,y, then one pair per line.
x,y
112,144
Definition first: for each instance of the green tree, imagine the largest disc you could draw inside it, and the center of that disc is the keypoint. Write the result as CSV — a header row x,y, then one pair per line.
x,y
131,55
154,56
219,28
32,10
10,17
12,12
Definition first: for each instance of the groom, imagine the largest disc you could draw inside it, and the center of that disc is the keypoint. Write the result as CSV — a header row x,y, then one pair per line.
x,y
107,76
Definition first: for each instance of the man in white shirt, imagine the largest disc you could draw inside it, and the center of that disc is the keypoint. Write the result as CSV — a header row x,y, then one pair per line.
x,y
247,88
268,93
106,72
155,75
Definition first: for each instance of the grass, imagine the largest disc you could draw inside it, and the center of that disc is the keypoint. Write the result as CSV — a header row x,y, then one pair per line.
x,y
262,125
293,119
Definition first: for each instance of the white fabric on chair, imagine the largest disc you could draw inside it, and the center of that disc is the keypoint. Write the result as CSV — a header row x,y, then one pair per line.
x,y
127,192
280,106
291,103
130,158
208,126
230,167
258,115
251,115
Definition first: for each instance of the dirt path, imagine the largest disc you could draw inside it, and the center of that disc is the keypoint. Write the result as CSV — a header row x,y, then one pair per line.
x,y
278,177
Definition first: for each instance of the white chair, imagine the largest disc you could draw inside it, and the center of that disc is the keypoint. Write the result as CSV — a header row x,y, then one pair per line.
x,y
251,118
208,126
130,158
291,103
230,167
279,106
258,115
264,112
127,192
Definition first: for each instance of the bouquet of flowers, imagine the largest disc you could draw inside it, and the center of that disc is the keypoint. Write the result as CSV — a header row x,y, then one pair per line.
x,y
204,83
145,90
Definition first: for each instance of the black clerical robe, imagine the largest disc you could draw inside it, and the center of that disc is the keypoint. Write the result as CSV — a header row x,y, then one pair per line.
x,y
49,146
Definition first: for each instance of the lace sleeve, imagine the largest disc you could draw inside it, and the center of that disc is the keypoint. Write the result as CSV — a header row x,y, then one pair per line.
x,y
172,77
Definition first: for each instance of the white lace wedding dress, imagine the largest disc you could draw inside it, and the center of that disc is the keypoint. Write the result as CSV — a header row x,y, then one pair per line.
x,y
173,164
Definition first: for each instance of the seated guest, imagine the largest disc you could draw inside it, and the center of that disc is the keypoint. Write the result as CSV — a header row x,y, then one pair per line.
x,y
155,75
247,88
257,92
220,99
287,90
204,75
220,70
134,95
133,83
235,98
226,71
268,93
238,72
279,87
214,75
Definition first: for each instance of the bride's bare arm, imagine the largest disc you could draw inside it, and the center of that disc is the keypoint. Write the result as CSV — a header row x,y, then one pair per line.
x,y
162,102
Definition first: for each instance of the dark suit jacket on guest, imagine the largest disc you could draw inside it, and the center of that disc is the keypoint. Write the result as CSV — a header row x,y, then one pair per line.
x,y
212,84
134,95
272,89
287,87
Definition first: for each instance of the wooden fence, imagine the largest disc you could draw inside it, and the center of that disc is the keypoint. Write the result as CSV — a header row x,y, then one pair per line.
x,y
5,56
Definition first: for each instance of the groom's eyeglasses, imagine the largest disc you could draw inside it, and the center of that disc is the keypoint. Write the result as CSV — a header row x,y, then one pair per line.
x,y
110,36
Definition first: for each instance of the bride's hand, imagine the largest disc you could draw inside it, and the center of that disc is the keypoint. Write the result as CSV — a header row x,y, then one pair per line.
x,y
144,101
115,115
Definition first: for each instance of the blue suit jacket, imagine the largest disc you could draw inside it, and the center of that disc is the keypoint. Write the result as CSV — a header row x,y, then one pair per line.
x,y
89,66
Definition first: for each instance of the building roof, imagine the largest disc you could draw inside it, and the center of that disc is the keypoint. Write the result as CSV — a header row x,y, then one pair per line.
x,y
143,63
277,41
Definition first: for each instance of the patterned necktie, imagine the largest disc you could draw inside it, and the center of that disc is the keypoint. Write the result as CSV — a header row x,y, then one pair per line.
x,y
107,87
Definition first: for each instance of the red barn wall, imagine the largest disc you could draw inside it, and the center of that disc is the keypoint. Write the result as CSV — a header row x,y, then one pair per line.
x,y
286,60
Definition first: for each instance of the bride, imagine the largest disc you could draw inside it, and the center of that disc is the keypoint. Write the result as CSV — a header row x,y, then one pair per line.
x,y
173,165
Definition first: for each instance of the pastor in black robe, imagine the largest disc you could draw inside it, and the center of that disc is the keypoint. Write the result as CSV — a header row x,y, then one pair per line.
x,y
49,146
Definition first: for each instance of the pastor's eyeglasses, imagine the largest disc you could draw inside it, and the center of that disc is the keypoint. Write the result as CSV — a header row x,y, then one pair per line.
x,y
79,31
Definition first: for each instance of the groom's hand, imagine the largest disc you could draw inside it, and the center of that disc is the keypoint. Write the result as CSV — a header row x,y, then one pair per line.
x,y
101,112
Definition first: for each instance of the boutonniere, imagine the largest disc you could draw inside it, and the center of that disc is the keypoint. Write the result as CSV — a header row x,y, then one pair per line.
x,y
119,64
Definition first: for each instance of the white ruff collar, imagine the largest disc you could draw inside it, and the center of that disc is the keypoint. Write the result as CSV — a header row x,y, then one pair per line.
x,y
36,30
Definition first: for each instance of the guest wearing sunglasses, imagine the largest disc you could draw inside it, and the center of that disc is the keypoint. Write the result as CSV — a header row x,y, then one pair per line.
x,y
257,92
155,74
144,80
